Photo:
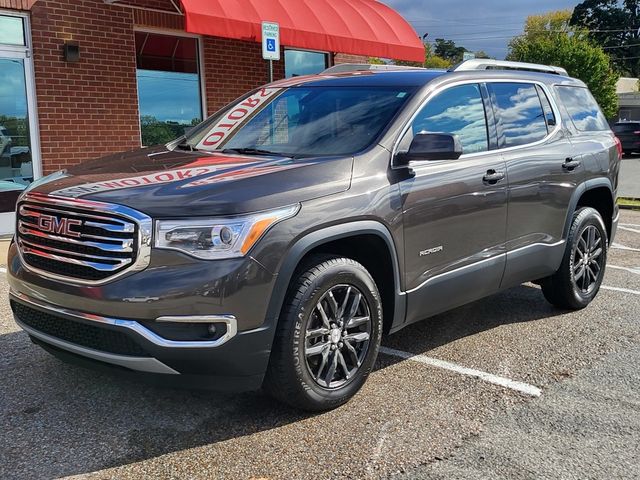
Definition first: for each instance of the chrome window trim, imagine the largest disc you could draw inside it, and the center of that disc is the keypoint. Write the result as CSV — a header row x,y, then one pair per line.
x,y
145,229
480,80
229,320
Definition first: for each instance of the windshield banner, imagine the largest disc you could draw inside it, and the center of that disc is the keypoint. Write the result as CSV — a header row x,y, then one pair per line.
x,y
220,133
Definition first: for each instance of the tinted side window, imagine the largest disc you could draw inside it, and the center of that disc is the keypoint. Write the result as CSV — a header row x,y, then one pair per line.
x,y
521,119
460,111
583,109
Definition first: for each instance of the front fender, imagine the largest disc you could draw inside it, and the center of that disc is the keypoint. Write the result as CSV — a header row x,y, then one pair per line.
x,y
325,235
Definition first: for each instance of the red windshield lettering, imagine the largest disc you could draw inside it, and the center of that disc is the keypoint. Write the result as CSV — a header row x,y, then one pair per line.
x,y
251,102
213,139
238,114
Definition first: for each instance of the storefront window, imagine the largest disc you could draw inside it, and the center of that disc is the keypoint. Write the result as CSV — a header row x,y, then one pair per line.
x,y
168,86
300,62
16,156
11,30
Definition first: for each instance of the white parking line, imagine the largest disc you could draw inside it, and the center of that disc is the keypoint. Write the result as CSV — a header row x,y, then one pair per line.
x,y
629,229
623,247
3,270
626,269
630,225
487,377
623,290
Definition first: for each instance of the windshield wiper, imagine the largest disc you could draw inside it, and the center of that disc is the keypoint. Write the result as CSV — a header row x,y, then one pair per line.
x,y
186,146
253,151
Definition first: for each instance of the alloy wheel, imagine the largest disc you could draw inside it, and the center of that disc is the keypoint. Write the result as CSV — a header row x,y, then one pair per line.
x,y
588,260
337,336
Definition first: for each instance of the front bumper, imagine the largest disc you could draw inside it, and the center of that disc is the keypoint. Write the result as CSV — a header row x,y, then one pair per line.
x,y
235,361
142,318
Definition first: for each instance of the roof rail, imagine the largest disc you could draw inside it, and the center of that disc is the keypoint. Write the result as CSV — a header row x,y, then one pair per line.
x,y
490,64
364,67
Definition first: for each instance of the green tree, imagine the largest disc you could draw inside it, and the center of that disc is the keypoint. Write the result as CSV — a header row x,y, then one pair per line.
x,y
155,132
375,61
614,25
431,60
550,40
448,50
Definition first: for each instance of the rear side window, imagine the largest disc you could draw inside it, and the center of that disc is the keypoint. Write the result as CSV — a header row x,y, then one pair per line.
x,y
459,111
521,118
583,109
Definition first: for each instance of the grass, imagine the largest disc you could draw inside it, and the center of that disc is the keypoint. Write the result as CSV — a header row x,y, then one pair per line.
x,y
632,203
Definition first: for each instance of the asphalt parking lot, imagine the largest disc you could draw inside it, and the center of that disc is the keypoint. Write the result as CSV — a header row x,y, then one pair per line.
x,y
507,387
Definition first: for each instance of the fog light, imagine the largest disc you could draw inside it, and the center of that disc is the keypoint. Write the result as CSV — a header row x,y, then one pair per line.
x,y
212,329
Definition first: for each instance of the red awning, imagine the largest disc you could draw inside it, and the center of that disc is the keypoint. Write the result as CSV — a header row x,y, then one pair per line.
x,y
360,27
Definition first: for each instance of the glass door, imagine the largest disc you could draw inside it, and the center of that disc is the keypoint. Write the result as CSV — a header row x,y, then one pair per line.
x,y
19,153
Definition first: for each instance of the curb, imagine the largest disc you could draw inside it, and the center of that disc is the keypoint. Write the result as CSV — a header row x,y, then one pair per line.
x,y
629,203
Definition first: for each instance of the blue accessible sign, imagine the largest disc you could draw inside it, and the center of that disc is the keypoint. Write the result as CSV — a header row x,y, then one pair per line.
x,y
270,41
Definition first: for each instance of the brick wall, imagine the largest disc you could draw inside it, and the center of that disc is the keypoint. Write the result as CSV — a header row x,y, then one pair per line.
x,y
232,67
89,108
339,58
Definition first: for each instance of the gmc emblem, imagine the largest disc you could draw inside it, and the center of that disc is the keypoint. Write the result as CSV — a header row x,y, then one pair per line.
x,y
61,226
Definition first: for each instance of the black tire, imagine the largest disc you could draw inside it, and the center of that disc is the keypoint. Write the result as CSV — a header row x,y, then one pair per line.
x,y
290,375
563,289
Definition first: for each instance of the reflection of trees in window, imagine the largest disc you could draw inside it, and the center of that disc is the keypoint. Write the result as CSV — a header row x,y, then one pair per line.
x,y
156,132
17,128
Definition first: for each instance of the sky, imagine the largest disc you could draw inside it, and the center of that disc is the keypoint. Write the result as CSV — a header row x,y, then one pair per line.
x,y
474,24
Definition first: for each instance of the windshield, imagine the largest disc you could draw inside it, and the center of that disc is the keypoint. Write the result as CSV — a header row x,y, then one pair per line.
x,y
302,121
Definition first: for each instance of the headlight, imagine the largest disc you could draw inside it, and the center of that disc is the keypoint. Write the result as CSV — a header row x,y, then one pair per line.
x,y
216,238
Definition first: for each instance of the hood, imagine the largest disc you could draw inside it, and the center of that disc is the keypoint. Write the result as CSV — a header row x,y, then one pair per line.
x,y
164,183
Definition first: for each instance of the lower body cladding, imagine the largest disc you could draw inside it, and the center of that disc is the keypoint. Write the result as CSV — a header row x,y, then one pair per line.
x,y
232,361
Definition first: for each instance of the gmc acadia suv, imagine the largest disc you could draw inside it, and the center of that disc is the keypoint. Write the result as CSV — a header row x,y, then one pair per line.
x,y
274,244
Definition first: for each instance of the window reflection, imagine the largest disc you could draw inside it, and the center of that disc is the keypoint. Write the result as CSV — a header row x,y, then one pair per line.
x,y
583,109
168,86
458,111
11,30
521,119
299,62
16,166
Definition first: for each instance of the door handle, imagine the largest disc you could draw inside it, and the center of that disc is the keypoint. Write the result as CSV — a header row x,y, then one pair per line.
x,y
492,177
570,164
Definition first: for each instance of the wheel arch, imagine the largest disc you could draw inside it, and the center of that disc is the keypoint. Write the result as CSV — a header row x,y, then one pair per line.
x,y
598,194
341,240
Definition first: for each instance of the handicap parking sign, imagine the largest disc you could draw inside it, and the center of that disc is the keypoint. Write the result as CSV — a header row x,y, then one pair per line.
x,y
270,41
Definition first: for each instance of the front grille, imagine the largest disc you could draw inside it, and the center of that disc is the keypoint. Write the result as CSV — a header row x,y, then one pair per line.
x,y
70,241
78,333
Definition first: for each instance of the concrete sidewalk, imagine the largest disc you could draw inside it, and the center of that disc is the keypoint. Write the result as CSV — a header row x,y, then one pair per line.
x,y
630,178
4,248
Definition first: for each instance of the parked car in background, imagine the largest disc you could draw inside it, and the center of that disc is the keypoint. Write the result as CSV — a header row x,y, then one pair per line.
x,y
629,135
275,244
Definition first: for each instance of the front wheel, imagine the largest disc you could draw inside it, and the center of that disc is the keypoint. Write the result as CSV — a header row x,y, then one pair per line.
x,y
578,280
328,335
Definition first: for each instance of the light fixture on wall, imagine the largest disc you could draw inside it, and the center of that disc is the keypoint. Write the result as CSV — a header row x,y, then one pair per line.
x,y
71,51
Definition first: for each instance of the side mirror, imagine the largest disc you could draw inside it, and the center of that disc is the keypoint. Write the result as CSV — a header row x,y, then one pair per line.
x,y
431,146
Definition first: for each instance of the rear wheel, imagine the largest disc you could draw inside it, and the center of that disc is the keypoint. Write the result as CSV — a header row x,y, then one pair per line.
x,y
578,280
328,335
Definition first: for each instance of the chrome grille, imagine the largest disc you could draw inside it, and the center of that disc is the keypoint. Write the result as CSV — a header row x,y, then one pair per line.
x,y
81,241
